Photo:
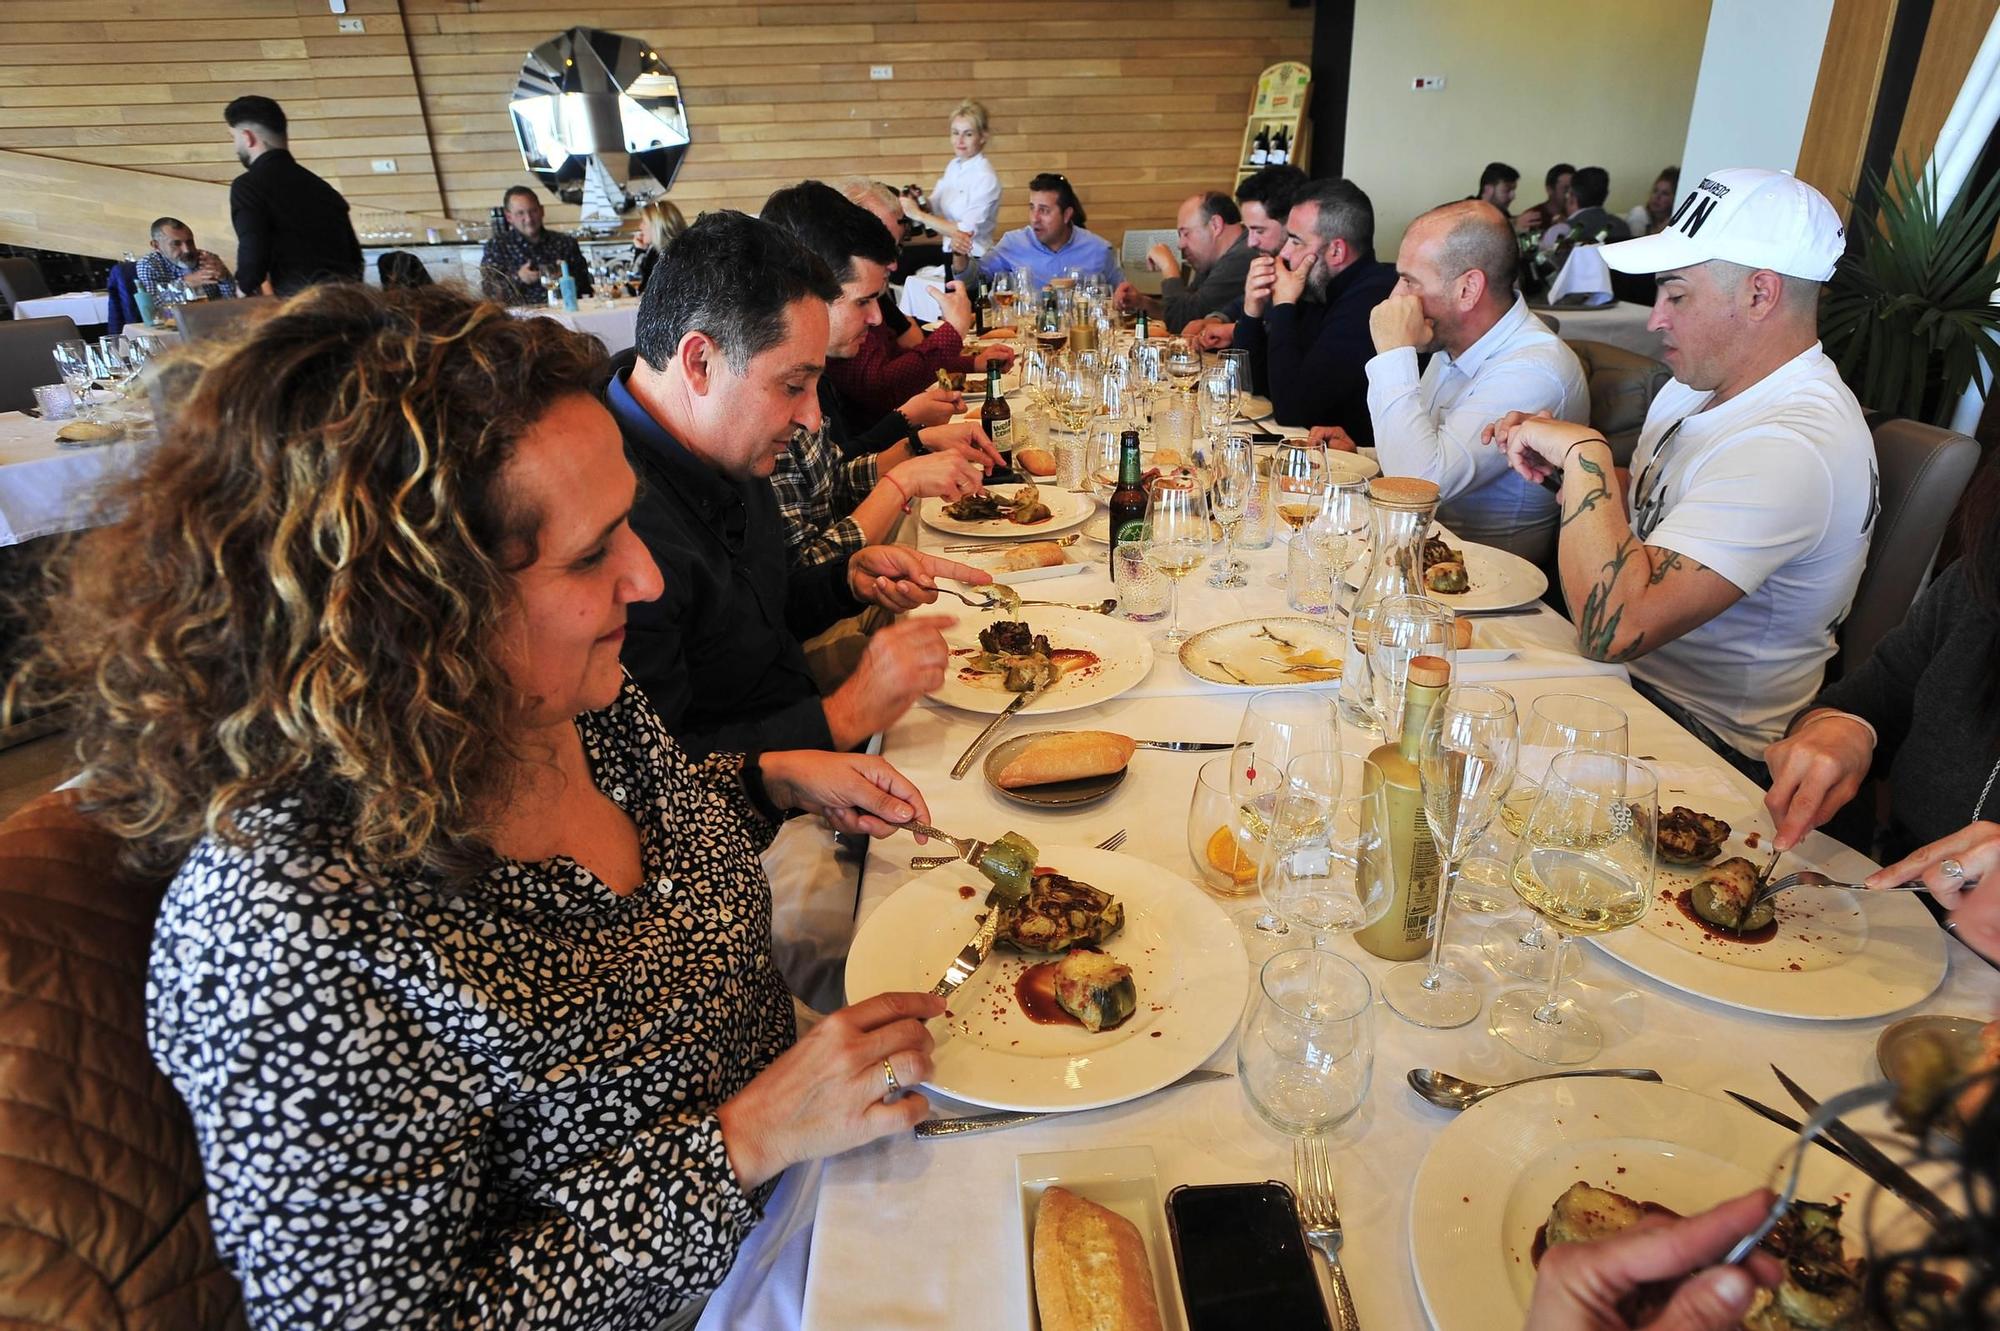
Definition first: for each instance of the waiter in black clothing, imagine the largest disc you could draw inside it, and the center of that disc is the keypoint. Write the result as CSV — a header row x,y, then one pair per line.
x,y
291,226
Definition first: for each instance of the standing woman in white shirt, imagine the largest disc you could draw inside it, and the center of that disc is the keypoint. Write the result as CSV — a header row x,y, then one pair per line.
x,y
965,202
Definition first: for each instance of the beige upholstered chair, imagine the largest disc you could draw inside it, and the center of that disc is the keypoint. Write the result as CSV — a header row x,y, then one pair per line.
x,y
203,320
1924,469
1622,386
27,357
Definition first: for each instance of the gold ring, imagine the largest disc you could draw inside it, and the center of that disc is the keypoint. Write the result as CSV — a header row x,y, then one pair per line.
x,y
889,1076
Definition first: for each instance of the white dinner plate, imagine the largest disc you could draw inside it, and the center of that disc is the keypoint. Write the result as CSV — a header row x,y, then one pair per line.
x,y
1124,658
1500,579
1836,956
1234,655
1066,510
1186,960
1491,1176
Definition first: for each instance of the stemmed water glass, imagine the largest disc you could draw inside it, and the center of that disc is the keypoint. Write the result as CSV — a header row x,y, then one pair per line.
x,y
1177,539
1466,762
1326,866
1232,476
1584,863
73,361
1277,725
1557,723
1219,389
1405,627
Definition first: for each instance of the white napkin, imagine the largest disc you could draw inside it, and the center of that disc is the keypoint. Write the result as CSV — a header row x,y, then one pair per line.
x,y
1586,275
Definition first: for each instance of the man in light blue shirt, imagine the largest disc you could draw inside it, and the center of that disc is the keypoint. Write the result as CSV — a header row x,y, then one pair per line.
x,y
1053,241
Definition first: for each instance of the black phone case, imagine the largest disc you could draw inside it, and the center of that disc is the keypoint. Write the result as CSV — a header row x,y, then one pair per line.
x,y
1308,1268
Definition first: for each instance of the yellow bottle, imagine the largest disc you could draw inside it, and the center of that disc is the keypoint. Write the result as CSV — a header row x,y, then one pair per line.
x,y
1403,934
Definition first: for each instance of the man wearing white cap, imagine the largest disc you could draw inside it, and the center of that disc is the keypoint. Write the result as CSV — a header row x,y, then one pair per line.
x,y
1723,568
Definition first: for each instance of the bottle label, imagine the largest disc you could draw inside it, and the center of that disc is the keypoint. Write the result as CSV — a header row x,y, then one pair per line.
x,y
1001,432
1129,531
1420,908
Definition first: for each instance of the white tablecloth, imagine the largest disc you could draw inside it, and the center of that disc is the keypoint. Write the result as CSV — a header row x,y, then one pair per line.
x,y
44,488
914,1234
1622,325
615,325
83,307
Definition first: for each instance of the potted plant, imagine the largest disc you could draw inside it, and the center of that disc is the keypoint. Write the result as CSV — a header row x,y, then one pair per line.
x,y
1909,314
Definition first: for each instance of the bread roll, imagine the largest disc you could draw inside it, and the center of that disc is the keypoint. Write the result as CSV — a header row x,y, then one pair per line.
x,y
1036,461
1032,554
1069,756
1091,1272
1461,633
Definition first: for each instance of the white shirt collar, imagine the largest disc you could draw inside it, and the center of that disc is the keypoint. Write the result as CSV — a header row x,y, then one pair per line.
x,y
1491,340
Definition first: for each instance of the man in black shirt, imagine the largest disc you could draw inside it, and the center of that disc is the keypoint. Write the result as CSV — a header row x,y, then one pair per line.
x,y
732,337
291,226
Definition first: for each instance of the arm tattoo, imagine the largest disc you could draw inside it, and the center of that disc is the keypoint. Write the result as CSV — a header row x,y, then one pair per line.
x,y
1592,498
1597,622
1669,561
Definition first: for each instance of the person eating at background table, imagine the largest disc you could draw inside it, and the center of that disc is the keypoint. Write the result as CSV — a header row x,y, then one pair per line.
x,y
732,338
1721,571
1924,711
465,969
1218,248
1455,299
513,264
1263,200
1053,241
1306,309
1497,184
174,257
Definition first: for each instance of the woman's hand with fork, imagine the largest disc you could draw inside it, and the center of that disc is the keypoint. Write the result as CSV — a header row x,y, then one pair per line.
x,y
1582,1286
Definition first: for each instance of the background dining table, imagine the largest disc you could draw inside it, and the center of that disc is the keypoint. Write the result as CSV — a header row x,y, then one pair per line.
x,y
916,1233
45,488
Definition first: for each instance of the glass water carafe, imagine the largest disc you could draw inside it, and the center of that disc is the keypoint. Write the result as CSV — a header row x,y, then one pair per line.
x,y
1399,519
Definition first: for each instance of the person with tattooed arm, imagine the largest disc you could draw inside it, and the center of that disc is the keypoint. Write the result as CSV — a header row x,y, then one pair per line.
x,y
1722,565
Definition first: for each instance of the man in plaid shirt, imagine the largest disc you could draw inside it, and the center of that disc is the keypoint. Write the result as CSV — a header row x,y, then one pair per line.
x,y
176,258
512,267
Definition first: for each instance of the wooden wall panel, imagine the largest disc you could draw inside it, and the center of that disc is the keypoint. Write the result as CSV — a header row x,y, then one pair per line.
x,y
1950,42
1843,104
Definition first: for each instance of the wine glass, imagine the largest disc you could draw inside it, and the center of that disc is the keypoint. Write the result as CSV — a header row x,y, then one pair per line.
x,y
1557,723
1177,539
1218,394
73,361
1403,628
1298,483
1585,864
1306,1052
1277,724
1232,476
1149,376
1326,866
1182,362
1465,764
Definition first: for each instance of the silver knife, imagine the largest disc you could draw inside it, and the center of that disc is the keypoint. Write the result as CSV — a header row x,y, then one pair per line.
x,y
1185,745
1007,1118
964,763
1787,1122
1869,1159
970,957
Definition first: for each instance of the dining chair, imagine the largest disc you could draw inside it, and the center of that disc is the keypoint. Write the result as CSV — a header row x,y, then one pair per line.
x,y
103,1213
1622,386
208,320
21,279
1923,470
27,357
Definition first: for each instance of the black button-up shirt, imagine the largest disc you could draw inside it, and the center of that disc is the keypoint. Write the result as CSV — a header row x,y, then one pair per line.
x,y
291,227
719,652
500,265
1314,354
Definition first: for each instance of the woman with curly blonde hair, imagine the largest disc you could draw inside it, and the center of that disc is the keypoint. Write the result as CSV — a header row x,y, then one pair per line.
x,y
465,973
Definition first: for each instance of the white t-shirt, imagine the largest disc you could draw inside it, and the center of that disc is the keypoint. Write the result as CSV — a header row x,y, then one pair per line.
x,y
1777,491
969,191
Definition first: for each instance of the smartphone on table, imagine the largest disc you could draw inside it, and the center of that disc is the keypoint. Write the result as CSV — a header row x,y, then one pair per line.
x,y
1243,1260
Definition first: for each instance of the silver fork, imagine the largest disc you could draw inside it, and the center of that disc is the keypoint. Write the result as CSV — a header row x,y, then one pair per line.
x,y
1810,878
1844,1103
1319,1216
1112,842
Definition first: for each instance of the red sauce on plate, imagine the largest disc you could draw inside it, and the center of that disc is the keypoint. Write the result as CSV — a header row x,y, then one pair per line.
x,y
1035,991
1685,900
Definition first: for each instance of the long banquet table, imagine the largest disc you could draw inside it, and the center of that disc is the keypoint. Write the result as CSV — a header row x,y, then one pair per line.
x,y
45,488
925,1234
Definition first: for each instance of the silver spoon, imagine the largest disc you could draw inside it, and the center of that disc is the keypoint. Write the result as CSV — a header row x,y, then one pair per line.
x,y
1449,1092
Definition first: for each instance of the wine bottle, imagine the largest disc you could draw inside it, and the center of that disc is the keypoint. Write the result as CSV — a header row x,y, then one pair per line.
x,y
1260,147
1128,501
1403,934
997,419
1278,150
1144,329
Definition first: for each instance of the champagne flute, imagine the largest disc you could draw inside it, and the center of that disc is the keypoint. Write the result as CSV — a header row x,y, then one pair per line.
x,y
1177,539
1557,723
1327,867
1584,863
1232,475
1466,764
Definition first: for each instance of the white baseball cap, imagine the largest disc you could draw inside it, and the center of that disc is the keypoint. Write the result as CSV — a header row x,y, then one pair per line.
x,y
1746,215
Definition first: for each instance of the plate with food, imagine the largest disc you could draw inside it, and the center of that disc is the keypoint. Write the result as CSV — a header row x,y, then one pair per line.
x,y
1581,1159
1093,1231
1008,510
1814,953
1266,653
1059,769
1030,561
1110,979
1468,576
1074,657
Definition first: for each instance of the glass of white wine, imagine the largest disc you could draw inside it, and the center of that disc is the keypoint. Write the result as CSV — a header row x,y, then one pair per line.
x,y
1177,538
1584,863
1182,363
1466,762
1298,486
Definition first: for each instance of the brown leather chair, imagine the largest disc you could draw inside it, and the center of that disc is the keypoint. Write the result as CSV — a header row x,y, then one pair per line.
x,y
1924,469
206,320
1622,386
28,359
103,1216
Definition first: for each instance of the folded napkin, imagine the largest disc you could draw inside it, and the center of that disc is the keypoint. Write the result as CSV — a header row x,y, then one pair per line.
x,y
1584,280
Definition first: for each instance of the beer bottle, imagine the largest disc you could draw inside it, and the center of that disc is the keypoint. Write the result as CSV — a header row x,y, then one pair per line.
x,y
1128,501
997,419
